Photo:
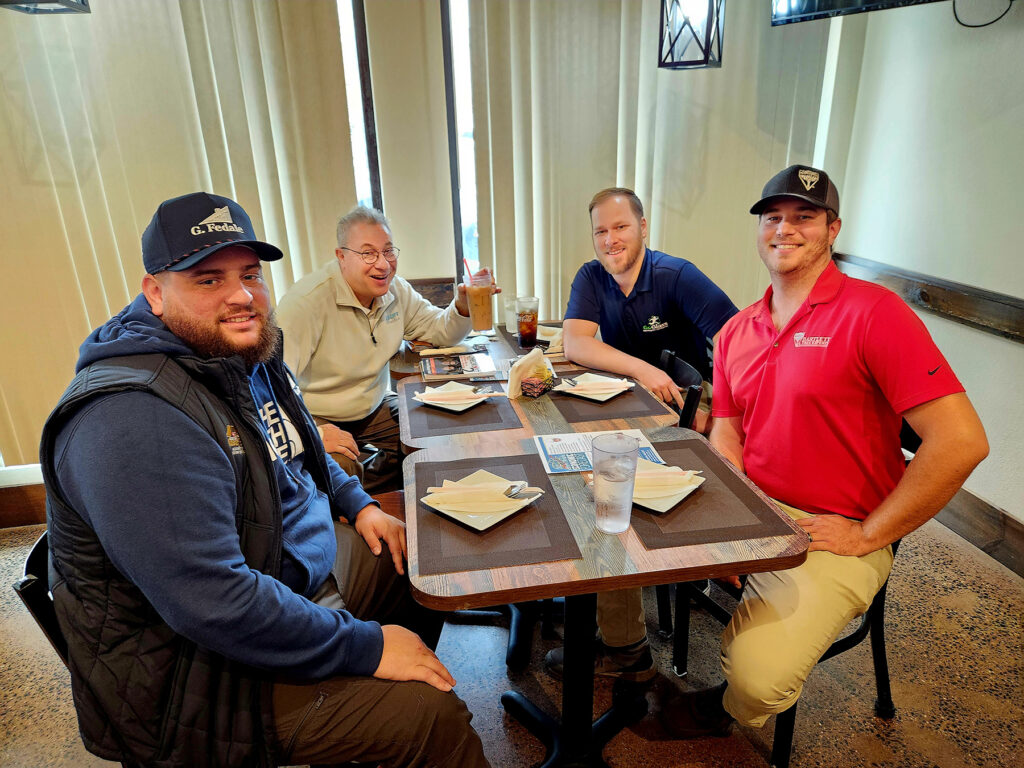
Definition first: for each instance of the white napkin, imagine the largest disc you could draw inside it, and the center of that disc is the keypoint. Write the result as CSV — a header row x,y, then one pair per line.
x,y
453,393
553,336
479,493
593,384
655,481
532,364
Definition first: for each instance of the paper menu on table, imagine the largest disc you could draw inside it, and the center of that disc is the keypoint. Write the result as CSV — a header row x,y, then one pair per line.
x,y
571,452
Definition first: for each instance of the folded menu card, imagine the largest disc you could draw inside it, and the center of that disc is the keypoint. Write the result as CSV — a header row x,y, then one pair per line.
x,y
660,487
594,386
478,500
454,396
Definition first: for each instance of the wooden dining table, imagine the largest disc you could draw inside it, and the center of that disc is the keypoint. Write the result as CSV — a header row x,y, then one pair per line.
x,y
553,549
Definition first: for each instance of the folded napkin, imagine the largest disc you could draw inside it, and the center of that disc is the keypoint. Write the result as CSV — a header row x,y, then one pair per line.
x,y
453,393
553,336
593,384
529,366
655,481
481,493
461,349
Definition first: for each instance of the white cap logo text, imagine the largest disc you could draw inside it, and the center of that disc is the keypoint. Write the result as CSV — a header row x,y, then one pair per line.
x,y
218,221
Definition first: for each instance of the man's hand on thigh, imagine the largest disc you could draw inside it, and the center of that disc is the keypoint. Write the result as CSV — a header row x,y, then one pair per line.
x,y
406,657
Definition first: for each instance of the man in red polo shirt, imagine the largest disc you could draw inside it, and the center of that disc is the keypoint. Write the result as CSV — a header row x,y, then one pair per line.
x,y
810,386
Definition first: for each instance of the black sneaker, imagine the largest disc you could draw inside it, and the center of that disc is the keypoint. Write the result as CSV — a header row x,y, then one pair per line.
x,y
631,663
696,714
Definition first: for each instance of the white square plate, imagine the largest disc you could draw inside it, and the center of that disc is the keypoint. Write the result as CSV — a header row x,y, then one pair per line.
x,y
567,389
451,386
483,520
665,503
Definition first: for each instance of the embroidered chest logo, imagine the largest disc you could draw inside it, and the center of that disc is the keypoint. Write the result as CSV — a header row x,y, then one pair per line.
x,y
654,323
218,221
234,441
808,178
800,339
390,317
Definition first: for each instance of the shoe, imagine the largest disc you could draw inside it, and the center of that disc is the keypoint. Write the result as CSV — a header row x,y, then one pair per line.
x,y
631,663
696,714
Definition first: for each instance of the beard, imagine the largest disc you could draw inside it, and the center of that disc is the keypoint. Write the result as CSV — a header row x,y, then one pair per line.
x,y
207,340
627,262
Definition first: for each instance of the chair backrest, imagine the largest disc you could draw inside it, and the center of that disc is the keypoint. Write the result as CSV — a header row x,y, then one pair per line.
x,y
689,380
34,590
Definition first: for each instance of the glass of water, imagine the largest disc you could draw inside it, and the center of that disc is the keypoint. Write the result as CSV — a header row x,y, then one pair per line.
x,y
614,459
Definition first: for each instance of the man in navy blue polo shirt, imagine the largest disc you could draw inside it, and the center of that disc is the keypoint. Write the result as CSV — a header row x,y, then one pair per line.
x,y
642,301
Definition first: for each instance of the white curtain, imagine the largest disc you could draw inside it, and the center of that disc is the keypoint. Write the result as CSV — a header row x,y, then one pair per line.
x,y
567,100
104,115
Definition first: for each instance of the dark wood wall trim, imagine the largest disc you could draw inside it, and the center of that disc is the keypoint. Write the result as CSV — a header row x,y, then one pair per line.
x,y
22,505
437,290
985,310
987,527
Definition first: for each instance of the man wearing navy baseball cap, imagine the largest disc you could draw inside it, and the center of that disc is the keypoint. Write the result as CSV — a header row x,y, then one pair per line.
x,y
217,610
811,384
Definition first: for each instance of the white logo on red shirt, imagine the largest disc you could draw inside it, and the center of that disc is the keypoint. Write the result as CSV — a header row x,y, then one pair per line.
x,y
802,340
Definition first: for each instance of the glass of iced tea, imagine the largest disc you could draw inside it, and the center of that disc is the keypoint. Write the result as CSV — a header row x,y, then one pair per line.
x,y
526,316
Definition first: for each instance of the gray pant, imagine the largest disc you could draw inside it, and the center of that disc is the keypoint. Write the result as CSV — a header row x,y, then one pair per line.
x,y
363,719
381,430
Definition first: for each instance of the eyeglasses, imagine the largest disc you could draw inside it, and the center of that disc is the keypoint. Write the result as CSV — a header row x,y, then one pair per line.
x,y
370,257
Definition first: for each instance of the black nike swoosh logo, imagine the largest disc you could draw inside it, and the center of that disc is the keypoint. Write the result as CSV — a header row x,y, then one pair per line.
x,y
933,370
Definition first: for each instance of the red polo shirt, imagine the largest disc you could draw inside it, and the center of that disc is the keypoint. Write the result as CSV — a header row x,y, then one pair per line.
x,y
821,400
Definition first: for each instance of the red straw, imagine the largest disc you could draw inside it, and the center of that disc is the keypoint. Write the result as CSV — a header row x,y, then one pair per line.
x,y
469,271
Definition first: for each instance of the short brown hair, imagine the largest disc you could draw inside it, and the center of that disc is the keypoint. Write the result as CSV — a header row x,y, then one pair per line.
x,y
629,194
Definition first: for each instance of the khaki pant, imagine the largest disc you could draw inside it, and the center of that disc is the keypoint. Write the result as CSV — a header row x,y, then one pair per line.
x,y
620,617
786,620
363,719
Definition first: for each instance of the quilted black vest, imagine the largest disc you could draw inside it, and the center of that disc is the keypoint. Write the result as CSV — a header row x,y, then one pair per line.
x,y
143,693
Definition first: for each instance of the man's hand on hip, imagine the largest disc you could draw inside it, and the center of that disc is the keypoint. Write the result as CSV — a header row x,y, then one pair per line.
x,y
374,524
337,440
837,534
406,657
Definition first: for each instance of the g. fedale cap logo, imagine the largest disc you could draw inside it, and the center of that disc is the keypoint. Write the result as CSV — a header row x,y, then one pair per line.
x,y
808,178
218,221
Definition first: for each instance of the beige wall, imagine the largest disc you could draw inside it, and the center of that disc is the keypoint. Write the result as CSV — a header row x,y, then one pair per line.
x,y
933,184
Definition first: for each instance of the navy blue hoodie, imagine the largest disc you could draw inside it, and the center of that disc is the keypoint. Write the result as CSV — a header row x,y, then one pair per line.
x,y
160,494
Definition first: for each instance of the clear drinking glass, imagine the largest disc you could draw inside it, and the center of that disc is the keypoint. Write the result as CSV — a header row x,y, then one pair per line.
x,y
511,318
478,294
526,312
614,458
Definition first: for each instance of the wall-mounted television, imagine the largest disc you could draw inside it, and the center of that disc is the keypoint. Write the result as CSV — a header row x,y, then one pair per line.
x,y
790,11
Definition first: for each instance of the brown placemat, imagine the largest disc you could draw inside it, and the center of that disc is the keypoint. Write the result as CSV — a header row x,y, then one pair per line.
x,y
426,421
723,508
537,534
633,404
512,339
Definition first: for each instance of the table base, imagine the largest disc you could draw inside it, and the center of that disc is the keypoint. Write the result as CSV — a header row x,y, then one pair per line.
x,y
575,739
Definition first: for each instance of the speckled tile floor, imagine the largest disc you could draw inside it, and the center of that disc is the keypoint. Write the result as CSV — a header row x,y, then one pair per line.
x,y
955,633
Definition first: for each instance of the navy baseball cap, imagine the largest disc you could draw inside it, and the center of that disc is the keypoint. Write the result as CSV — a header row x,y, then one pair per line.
x,y
187,229
804,183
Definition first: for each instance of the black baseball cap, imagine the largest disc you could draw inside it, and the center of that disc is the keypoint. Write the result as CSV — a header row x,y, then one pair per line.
x,y
802,182
185,230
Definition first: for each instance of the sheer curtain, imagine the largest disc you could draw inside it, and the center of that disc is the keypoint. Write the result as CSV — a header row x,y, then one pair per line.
x,y
104,115
567,100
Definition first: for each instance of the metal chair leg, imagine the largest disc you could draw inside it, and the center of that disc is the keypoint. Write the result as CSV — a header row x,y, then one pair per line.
x,y
782,741
664,609
681,638
884,707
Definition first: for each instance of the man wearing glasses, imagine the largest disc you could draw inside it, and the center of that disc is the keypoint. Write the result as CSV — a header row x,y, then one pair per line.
x,y
342,324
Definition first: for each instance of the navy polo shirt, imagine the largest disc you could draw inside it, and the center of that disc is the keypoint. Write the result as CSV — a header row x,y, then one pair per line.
x,y
672,306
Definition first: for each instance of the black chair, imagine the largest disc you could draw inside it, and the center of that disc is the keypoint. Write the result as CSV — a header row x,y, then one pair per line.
x,y
872,622
688,379
34,590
